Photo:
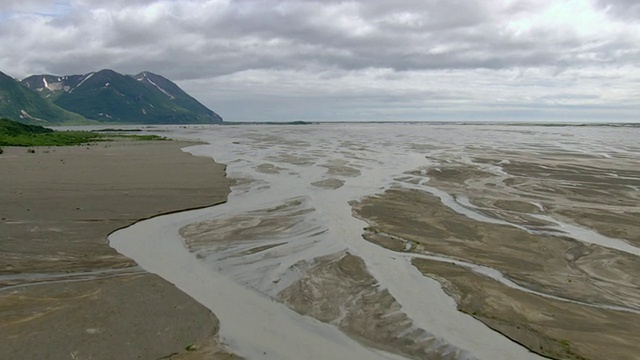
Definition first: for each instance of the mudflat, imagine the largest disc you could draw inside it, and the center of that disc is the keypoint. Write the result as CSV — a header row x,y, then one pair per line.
x,y
488,242
488,238
64,293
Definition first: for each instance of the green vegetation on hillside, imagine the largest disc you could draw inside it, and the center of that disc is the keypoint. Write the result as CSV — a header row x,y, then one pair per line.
x,y
13,133
14,128
109,97
103,97
18,102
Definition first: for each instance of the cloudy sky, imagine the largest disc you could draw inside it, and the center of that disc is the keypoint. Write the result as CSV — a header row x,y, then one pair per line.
x,y
252,60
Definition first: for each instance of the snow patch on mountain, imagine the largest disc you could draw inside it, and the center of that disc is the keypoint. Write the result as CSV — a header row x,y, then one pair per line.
x,y
82,82
56,86
26,115
144,74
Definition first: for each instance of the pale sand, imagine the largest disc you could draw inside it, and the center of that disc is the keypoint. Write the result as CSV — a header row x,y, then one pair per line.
x,y
57,207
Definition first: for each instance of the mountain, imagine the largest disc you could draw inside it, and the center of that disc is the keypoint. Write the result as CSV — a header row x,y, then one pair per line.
x,y
110,97
49,86
24,105
175,94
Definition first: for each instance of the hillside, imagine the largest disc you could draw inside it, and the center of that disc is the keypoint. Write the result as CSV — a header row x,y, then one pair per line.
x,y
109,97
175,94
22,104
13,128
49,86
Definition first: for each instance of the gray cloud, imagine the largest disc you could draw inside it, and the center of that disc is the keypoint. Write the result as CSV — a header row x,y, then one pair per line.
x,y
624,9
336,50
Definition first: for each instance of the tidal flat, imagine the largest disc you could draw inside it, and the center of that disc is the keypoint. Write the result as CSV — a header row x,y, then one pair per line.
x,y
412,241
64,293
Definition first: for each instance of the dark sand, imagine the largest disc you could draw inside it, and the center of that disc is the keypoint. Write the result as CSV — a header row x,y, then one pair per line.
x,y
64,293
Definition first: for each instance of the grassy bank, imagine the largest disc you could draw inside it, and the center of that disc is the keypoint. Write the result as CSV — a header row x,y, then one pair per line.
x,y
13,133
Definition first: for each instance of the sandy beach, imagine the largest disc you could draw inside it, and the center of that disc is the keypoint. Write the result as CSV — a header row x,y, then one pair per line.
x,y
64,293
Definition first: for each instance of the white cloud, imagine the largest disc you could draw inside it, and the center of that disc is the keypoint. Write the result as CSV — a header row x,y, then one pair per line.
x,y
347,60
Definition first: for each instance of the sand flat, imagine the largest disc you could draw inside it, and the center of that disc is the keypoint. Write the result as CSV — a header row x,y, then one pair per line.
x,y
522,243
64,293
457,219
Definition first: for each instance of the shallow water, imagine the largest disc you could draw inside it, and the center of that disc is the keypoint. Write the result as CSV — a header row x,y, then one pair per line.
x,y
277,222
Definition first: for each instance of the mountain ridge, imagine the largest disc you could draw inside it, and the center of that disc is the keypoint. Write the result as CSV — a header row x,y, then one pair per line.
x,y
23,105
109,97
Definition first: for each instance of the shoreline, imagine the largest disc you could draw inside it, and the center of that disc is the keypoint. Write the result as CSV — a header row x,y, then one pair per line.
x,y
86,312
252,324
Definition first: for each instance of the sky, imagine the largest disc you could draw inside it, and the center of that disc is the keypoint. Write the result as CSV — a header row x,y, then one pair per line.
x,y
369,60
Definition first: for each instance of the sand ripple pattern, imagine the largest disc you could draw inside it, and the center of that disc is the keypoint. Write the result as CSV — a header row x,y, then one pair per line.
x,y
524,209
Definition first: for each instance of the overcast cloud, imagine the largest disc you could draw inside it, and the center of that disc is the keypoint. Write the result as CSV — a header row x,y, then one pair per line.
x,y
252,60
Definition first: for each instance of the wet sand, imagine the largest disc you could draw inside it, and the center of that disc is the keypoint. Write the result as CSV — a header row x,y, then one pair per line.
x,y
289,238
64,293
338,290
563,291
477,244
